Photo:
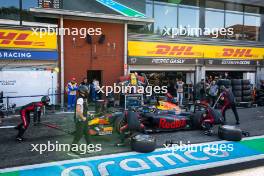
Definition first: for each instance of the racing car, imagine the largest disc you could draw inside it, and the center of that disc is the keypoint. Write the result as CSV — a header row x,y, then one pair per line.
x,y
201,116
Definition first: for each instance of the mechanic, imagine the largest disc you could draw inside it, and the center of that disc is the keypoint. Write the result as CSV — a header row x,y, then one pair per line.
x,y
228,98
25,111
81,116
71,89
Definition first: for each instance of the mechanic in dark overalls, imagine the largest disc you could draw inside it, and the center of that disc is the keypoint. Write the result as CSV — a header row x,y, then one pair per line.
x,y
81,116
228,98
25,111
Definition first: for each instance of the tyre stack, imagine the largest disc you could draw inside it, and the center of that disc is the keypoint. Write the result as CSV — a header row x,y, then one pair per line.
x,y
237,89
246,91
224,82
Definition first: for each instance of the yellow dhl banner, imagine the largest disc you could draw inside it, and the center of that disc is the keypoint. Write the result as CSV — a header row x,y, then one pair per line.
x,y
10,38
172,50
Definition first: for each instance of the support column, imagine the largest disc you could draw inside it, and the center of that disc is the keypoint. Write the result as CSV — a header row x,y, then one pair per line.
x,y
125,50
200,73
259,75
62,62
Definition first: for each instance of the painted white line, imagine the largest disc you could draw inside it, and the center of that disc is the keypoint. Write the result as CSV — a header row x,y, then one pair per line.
x,y
7,127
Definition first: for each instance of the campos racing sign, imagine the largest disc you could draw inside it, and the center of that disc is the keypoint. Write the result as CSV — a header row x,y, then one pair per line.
x,y
28,55
161,162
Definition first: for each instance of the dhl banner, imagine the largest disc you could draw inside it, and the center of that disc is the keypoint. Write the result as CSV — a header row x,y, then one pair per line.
x,y
175,50
10,38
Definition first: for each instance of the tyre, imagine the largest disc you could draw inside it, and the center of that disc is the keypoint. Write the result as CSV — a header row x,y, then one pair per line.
x,y
229,133
247,98
143,143
224,82
120,121
133,121
197,119
245,82
238,99
246,87
247,92
237,93
236,81
236,87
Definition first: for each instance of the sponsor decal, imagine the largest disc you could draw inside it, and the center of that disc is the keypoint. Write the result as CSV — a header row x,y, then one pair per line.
x,y
28,55
122,9
163,123
10,38
192,51
160,162
230,62
160,61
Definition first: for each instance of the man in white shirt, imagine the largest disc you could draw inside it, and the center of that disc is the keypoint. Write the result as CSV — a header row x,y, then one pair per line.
x,y
81,117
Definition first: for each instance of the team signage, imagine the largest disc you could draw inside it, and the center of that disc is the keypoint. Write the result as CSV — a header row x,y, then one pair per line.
x,y
160,162
120,8
230,62
161,61
28,55
10,38
172,50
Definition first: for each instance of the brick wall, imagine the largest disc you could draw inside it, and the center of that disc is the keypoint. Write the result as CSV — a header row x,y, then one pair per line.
x,y
81,56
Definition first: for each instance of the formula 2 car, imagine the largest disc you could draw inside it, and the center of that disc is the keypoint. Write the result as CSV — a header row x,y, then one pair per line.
x,y
202,116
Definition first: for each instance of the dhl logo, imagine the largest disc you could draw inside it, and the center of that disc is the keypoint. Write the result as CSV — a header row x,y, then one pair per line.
x,y
174,50
18,39
230,52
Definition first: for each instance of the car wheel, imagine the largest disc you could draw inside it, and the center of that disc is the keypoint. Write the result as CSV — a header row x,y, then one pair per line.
x,y
197,119
236,81
143,143
119,123
133,121
245,82
237,93
247,98
229,133
247,92
238,99
246,87
237,87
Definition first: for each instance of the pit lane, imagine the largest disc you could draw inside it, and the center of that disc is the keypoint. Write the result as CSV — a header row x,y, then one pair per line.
x,y
19,154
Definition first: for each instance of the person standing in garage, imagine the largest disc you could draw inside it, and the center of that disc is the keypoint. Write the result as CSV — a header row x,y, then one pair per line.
x,y
72,88
228,98
179,86
213,92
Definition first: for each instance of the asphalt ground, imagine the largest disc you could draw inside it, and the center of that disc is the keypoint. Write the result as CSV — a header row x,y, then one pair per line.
x,y
14,154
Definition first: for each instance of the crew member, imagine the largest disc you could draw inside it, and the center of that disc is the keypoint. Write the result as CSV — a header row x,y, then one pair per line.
x,y
25,111
81,116
229,102
72,88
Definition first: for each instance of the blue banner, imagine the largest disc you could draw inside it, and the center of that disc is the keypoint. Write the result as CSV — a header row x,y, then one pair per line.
x,y
28,55
166,161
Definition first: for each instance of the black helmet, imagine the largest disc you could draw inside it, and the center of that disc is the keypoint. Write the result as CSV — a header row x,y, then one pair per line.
x,y
83,91
45,100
